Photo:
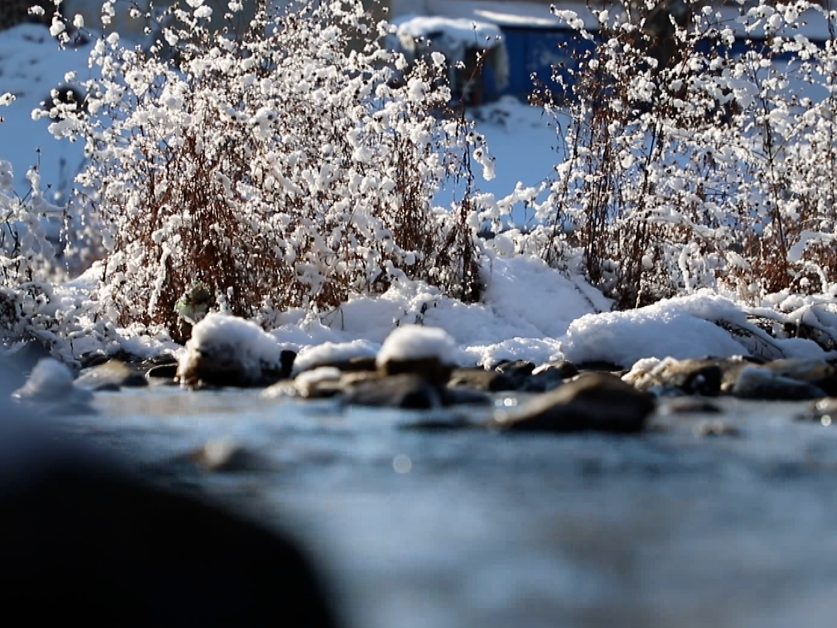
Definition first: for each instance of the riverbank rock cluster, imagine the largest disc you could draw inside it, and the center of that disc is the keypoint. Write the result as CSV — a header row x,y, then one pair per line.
x,y
419,368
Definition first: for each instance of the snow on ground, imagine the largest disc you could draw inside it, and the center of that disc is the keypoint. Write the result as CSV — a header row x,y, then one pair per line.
x,y
524,147
536,314
32,64
529,311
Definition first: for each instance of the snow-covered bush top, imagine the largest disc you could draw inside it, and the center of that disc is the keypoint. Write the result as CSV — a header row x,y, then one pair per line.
x,y
280,170
292,169
25,255
694,156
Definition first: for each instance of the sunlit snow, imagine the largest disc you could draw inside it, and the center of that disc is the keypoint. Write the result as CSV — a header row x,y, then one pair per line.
x,y
528,311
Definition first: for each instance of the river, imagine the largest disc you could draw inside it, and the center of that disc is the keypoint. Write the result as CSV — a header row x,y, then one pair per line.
x,y
451,529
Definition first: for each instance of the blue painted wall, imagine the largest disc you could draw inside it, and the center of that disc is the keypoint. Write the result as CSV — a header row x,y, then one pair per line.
x,y
534,52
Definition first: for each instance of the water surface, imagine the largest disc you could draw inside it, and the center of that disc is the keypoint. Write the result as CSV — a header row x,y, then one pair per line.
x,y
469,528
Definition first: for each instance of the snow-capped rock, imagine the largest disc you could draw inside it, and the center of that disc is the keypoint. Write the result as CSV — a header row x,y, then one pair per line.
x,y
226,350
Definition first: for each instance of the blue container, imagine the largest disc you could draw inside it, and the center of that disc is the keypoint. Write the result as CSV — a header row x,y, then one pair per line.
x,y
534,51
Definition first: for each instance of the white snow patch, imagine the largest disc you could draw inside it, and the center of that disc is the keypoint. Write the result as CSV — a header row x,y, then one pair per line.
x,y
535,299
676,328
537,350
414,342
453,32
51,381
305,382
517,14
334,352
254,347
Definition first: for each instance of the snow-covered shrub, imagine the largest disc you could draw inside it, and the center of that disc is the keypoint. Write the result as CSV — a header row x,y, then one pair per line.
x,y
282,169
700,150
26,310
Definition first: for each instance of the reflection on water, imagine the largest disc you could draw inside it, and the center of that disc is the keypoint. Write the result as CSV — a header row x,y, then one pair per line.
x,y
455,529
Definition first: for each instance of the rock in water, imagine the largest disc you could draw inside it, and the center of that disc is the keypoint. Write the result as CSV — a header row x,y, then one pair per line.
x,y
424,351
549,376
591,402
51,382
756,382
399,391
480,379
81,539
515,368
695,376
817,372
229,351
691,376
112,375
162,372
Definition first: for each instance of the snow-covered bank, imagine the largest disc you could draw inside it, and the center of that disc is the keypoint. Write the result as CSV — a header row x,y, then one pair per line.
x,y
329,223
531,312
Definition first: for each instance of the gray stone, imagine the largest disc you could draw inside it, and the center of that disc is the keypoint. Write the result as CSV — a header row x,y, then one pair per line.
x,y
397,391
221,366
51,382
542,381
96,358
758,382
111,375
817,372
685,405
431,369
514,368
127,542
827,406
318,383
161,360
562,368
698,376
464,396
591,402
162,371
824,411
352,365
324,382
691,377
451,423
480,379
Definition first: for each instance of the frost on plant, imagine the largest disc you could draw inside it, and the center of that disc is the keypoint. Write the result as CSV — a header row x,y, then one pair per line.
x,y
26,307
699,151
282,169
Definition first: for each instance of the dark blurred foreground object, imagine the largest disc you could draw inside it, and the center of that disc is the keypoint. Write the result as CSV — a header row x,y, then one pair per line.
x,y
82,541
